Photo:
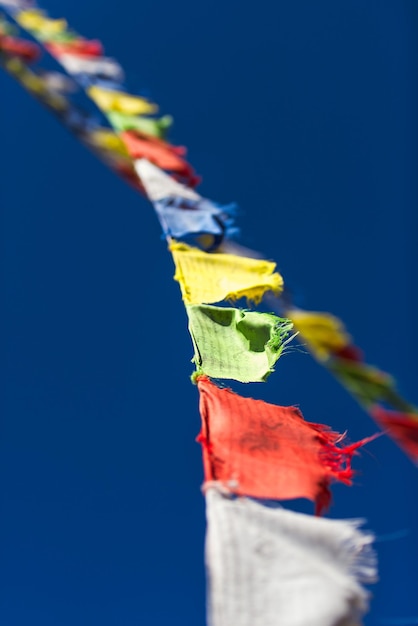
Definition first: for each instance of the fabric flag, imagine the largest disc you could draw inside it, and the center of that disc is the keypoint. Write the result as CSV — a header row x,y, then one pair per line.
x,y
16,4
160,185
368,384
257,449
100,66
76,120
324,333
109,100
77,47
161,153
56,81
35,20
157,127
183,213
236,344
207,278
274,567
108,140
25,50
402,427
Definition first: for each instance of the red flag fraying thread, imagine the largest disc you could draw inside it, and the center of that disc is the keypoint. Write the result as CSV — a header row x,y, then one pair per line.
x,y
256,449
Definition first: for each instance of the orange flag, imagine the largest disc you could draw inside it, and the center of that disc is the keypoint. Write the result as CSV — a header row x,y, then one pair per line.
x,y
252,448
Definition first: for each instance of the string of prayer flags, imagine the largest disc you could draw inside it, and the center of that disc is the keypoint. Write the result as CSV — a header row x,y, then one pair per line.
x,y
249,447
50,87
33,83
402,427
207,278
139,141
236,344
37,82
182,212
102,78
330,344
271,566
78,56
257,449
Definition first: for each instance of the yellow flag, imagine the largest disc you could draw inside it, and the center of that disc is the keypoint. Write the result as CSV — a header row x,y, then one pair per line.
x,y
108,100
35,20
206,278
323,332
107,139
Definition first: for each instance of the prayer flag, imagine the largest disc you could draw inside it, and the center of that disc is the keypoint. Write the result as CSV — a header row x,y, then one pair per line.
x,y
402,427
368,384
107,139
207,278
77,47
183,213
324,333
161,153
16,4
25,50
257,449
57,81
35,20
160,185
94,66
157,127
236,344
274,567
109,100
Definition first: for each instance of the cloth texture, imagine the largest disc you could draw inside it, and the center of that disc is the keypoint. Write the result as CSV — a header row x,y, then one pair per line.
x,y
254,448
208,278
236,344
273,567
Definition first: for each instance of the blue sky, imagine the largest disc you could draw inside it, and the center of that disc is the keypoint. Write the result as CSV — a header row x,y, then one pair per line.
x,y
305,115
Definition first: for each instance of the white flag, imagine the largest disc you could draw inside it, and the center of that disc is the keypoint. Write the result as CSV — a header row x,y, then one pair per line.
x,y
159,185
273,567
17,4
100,66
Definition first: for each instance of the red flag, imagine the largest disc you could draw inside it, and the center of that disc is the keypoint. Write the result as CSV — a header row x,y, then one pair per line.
x,y
77,47
402,427
265,451
161,153
25,50
349,352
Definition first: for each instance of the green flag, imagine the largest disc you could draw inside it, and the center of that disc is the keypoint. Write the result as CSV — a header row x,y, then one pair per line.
x,y
368,384
235,343
157,127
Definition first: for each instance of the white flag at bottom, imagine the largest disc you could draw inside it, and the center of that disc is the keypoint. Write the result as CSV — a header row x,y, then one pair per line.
x,y
274,567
